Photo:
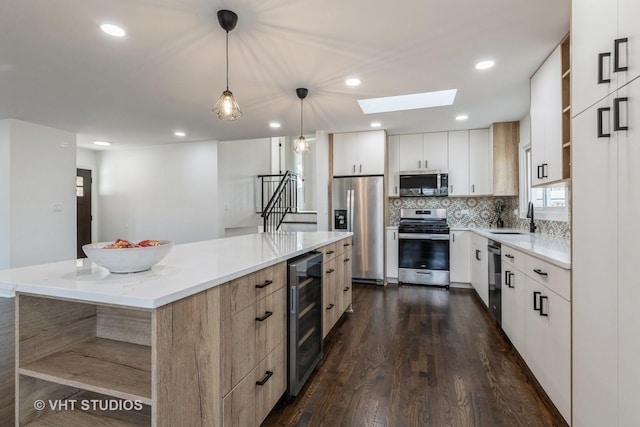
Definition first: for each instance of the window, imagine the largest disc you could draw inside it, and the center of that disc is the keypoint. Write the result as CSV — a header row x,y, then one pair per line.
x,y
550,203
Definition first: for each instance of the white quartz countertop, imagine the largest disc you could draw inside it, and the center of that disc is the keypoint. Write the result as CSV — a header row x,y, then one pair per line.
x,y
556,250
188,269
7,291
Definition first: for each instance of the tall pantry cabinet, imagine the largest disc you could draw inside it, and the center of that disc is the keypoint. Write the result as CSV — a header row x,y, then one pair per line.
x,y
606,156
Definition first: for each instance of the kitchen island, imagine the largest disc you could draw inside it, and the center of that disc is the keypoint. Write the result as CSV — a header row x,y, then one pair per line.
x,y
197,340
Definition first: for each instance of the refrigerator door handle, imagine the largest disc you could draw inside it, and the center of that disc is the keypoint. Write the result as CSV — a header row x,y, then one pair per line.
x,y
350,201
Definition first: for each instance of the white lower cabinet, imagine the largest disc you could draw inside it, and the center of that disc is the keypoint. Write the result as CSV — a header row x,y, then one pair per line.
x,y
392,253
480,267
459,261
548,343
536,316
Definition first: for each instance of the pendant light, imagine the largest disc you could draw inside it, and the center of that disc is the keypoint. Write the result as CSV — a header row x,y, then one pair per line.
x,y
301,145
227,107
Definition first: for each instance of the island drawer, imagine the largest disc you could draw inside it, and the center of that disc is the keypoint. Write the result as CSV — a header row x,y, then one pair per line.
x,y
244,291
250,335
252,399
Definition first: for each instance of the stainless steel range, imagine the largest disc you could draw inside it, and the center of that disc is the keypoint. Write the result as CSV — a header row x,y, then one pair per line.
x,y
423,243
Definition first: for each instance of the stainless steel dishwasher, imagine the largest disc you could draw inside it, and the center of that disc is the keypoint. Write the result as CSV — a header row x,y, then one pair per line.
x,y
494,250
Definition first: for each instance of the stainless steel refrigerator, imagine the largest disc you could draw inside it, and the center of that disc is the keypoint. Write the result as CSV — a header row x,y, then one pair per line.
x,y
358,206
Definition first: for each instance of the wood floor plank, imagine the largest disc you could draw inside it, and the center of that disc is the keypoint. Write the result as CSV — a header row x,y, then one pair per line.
x,y
417,356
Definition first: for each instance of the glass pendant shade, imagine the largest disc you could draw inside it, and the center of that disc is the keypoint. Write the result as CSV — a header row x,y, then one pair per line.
x,y
301,146
227,107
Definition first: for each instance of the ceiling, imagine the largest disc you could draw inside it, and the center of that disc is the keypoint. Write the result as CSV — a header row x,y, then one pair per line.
x,y
58,69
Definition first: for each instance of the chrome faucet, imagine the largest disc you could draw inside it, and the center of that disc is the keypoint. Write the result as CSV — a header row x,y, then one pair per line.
x,y
532,226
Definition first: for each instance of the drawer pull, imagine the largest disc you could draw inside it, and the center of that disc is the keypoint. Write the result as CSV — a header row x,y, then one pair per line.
x,y
542,313
329,271
330,252
540,272
346,289
265,284
264,380
264,317
536,307
330,307
346,244
509,256
347,260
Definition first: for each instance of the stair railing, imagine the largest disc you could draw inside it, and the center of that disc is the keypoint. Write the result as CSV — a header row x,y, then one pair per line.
x,y
283,199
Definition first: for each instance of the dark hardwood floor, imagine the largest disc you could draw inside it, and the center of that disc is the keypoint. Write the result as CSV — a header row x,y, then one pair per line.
x,y
417,356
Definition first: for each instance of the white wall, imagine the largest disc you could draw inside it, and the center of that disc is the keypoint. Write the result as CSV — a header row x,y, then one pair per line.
x,y
41,199
322,179
5,191
88,159
159,192
240,162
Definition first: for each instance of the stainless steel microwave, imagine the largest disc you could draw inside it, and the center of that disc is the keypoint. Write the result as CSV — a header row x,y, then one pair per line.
x,y
425,184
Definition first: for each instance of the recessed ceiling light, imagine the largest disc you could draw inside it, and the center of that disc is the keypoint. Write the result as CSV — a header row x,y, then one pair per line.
x,y
408,102
352,82
180,133
274,125
113,30
102,143
484,65
462,117
375,124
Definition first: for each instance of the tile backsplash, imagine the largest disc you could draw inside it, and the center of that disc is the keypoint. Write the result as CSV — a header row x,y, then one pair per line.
x,y
476,212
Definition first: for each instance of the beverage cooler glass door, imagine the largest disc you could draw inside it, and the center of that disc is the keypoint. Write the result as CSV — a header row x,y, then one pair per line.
x,y
305,319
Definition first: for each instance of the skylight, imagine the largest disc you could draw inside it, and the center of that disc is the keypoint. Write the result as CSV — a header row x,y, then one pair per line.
x,y
408,102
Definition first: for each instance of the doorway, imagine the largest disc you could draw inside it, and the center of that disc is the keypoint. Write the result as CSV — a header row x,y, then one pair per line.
x,y
83,198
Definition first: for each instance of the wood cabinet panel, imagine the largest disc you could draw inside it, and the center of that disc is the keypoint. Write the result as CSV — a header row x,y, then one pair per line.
x,y
505,158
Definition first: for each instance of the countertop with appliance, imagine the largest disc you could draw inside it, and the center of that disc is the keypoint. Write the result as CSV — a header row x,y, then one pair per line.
x,y
188,269
556,250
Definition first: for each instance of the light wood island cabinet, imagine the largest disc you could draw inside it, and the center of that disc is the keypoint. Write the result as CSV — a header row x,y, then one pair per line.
x,y
214,358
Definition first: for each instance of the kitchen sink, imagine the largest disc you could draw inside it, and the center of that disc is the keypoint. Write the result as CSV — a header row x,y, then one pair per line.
x,y
506,232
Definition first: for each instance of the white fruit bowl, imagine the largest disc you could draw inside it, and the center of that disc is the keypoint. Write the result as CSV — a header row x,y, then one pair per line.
x,y
127,260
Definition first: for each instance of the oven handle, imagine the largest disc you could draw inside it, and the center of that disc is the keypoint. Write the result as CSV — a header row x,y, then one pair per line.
x,y
417,236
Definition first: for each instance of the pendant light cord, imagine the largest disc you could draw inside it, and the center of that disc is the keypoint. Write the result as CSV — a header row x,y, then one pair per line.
x,y
301,115
227,54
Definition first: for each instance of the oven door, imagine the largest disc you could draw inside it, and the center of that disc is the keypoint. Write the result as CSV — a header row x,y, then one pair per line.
x,y
423,259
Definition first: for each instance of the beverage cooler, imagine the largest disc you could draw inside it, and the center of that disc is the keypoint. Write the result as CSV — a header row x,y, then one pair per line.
x,y
304,328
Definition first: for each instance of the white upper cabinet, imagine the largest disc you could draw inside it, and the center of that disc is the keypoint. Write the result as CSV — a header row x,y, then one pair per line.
x,y
393,183
546,121
359,153
605,49
480,162
423,151
459,163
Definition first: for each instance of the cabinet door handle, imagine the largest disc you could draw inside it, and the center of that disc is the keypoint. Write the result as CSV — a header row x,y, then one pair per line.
x,y
616,113
265,284
419,164
544,170
394,235
264,380
346,289
616,55
329,271
354,168
453,237
347,260
507,278
511,285
360,168
425,165
473,188
601,57
477,254
330,307
265,316
601,112
451,188
536,294
540,272
542,312
396,190
539,171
